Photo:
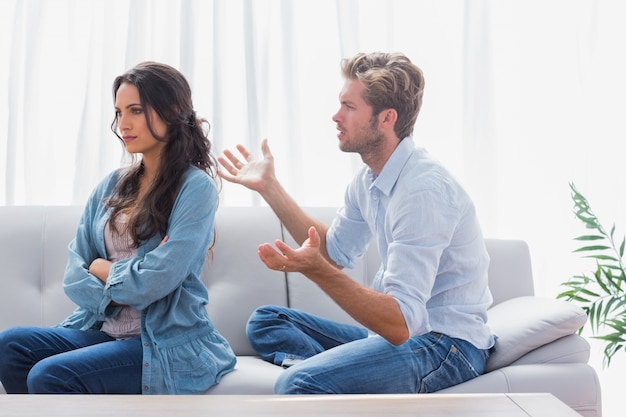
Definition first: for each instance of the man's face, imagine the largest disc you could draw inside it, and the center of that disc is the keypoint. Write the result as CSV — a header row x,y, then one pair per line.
x,y
358,129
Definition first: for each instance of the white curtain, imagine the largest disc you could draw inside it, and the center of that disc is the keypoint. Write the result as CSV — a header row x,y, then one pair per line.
x,y
521,98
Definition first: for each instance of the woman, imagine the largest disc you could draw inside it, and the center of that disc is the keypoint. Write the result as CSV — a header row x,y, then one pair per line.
x,y
134,267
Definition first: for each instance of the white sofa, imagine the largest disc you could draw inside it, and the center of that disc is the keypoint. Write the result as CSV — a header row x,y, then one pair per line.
x,y
538,349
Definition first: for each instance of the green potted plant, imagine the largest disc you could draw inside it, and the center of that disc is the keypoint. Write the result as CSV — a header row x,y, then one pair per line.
x,y
602,291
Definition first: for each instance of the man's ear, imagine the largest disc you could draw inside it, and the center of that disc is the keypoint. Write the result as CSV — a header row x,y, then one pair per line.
x,y
388,118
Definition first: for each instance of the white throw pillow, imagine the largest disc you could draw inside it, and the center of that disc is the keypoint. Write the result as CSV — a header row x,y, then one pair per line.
x,y
526,323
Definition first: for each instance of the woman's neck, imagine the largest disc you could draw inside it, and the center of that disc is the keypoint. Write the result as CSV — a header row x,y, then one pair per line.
x,y
148,176
150,167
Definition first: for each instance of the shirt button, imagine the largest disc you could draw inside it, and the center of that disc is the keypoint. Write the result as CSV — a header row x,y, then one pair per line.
x,y
147,364
146,388
146,344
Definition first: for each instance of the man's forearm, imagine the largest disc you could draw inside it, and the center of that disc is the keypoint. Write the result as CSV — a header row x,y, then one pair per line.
x,y
296,221
376,311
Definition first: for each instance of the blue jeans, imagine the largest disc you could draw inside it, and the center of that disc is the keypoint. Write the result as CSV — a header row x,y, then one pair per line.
x,y
54,360
342,359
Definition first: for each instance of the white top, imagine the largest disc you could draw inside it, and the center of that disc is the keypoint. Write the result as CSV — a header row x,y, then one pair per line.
x,y
127,323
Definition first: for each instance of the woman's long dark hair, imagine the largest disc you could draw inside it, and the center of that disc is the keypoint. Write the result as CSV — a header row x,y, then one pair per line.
x,y
167,92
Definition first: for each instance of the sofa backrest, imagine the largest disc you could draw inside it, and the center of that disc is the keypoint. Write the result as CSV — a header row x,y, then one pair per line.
x,y
33,242
237,280
510,269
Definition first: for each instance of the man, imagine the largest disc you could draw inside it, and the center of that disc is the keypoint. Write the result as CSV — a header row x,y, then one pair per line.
x,y
424,319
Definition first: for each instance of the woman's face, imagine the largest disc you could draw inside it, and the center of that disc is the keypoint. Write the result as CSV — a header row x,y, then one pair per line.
x,y
132,124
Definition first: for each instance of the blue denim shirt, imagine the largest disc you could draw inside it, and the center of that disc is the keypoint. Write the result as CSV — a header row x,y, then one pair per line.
x,y
182,351
434,259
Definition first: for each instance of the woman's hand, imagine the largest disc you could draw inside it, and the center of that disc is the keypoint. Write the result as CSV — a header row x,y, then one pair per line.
x,y
100,269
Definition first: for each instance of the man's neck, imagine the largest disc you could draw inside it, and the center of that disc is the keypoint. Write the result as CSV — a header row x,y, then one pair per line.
x,y
377,158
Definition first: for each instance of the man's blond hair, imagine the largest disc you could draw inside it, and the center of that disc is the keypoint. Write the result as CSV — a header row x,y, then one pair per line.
x,y
391,81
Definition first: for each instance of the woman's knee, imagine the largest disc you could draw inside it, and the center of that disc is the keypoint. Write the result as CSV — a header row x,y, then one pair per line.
x,y
5,342
10,336
44,378
12,343
5,347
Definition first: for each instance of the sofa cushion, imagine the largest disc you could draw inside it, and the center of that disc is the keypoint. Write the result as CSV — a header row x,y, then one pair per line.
x,y
572,348
523,324
252,375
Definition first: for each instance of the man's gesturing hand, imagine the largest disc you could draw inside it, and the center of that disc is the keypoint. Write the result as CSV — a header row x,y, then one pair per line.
x,y
305,259
251,173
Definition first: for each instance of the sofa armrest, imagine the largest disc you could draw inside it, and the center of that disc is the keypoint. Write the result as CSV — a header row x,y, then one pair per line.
x,y
576,384
523,324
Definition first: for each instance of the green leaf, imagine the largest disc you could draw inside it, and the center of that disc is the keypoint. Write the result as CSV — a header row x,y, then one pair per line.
x,y
603,285
610,305
579,299
600,292
590,237
602,257
594,247
588,292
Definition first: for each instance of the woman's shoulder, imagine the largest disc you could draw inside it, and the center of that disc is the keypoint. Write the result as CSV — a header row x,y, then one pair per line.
x,y
197,176
198,190
198,181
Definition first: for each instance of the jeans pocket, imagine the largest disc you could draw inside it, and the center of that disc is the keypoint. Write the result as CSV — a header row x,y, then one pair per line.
x,y
453,370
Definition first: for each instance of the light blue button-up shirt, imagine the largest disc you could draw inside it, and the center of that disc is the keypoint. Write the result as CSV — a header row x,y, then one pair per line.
x,y
434,259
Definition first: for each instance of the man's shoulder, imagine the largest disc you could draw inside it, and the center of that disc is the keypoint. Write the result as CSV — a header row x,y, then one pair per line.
x,y
424,174
423,170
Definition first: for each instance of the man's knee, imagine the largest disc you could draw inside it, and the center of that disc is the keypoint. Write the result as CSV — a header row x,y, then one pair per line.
x,y
287,383
298,380
260,319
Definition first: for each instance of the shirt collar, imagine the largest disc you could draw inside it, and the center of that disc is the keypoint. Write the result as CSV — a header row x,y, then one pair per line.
x,y
391,171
